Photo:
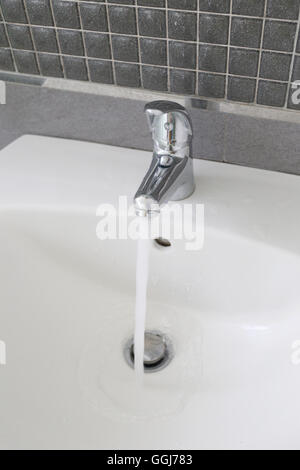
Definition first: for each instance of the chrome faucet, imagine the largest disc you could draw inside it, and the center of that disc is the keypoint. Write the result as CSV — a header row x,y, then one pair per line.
x,y
170,176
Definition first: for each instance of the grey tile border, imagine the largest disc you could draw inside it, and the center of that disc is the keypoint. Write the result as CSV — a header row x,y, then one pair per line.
x,y
264,144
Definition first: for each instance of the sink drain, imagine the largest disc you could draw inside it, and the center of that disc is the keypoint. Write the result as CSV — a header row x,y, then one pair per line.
x,y
163,242
157,355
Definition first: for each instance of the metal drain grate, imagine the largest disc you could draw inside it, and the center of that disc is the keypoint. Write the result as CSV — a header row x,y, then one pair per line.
x,y
158,352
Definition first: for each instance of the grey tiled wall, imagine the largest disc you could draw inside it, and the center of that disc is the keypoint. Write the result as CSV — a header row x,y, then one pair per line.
x,y
239,50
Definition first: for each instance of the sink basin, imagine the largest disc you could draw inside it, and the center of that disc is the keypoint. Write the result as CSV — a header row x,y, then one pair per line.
x,y
67,299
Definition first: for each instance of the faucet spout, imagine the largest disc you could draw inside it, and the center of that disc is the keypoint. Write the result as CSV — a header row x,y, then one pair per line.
x,y
170,175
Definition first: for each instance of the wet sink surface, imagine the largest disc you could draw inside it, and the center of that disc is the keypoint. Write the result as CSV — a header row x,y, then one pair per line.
x,y
67,307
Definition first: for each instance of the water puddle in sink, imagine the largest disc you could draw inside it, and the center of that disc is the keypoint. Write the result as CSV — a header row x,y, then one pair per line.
x,y
142,271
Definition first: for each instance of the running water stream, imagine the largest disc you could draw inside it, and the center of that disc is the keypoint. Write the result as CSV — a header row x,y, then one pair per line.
x,y
142,268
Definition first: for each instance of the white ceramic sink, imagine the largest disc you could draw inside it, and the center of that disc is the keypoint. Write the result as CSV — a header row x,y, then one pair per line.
x,y
232,309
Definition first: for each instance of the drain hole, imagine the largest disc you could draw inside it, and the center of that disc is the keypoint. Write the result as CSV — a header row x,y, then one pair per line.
x,y
158,352
163,242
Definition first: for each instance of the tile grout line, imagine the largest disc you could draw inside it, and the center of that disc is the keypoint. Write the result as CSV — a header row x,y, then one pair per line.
x,y
260,51
197,48
228,51
57,40
32,38
83,42
297,35
168,50
110,44
139,44
8,40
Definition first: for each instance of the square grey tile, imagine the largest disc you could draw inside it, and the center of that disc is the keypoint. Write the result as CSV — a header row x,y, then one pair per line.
x,y
296,69
217,6
248,7
279,35
50,65
153,51
66,14
182,54
152,23
70,42
6,61
26,62
125,48
275,66
182,82
213,28
271,93
243,62
246,32
211,86
151,3
285,9
241,89
3,37
13,11
122,20
75,68
93,16
45,39
182,25
212,58
127,75
123,2
19,37
101,71
97,45
182,4
155,78
39,12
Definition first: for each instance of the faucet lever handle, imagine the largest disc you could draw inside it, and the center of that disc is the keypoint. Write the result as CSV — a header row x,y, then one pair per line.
x,y
170,125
